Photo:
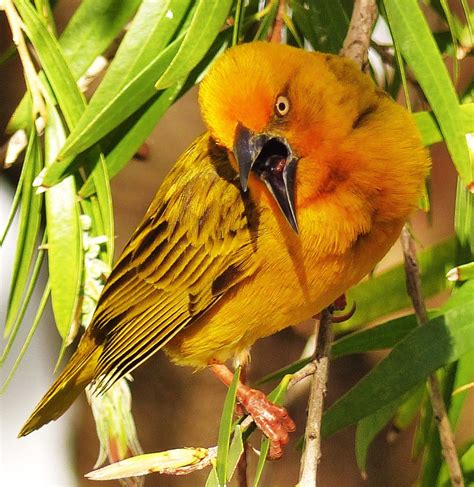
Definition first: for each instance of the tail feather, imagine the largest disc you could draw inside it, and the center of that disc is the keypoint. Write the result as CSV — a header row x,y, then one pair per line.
x,y
79,372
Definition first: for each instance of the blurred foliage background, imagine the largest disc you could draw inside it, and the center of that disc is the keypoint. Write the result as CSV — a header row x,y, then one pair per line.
x,y
100,74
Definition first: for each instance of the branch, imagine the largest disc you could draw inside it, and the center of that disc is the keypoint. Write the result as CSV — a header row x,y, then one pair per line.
x,y
279,24
357,40
312,436
355,47
437,403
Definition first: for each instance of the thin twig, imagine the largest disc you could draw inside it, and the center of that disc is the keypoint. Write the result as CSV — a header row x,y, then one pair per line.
x,y
306,371
355,46
279,24
357,41
437,402
312,448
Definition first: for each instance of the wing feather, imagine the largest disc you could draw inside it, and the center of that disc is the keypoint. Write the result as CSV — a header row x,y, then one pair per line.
x,y
195,242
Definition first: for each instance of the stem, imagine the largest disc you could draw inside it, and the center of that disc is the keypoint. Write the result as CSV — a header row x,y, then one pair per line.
x,y
279,23
439,409
355,47
31,76
357,41
312,449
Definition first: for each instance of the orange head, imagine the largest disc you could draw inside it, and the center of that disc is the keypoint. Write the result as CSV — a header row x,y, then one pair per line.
x,y
313,131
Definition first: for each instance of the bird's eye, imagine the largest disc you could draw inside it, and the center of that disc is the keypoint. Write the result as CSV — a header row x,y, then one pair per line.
x,y
282,106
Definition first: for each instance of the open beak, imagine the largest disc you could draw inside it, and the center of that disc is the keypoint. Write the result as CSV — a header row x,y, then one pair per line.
x,y
271,159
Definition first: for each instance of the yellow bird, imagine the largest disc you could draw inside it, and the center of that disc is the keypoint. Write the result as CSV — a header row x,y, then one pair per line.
x,y
299,187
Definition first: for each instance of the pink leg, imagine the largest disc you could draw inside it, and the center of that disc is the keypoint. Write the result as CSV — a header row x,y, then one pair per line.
x,y
271,419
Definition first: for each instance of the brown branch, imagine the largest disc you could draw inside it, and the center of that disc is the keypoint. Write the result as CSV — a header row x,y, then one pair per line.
x,y
355,47
312,448
279,24
439,409
357,41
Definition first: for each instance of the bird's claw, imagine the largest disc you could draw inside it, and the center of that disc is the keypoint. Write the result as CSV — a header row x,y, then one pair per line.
x,y
272,420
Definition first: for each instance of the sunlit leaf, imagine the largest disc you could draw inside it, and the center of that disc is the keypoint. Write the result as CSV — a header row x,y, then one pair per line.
x,y
208,19
93,26
28,230
225,429
442,341
64,235
370,295
419,49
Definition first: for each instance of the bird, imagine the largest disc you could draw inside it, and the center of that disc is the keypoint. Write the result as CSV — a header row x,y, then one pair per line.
x,y
299,186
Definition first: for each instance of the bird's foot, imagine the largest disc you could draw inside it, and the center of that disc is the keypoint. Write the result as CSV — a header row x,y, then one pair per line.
x,y
272,420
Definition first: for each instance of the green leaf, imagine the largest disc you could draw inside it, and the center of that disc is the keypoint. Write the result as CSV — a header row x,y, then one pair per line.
x,y
150,32
15,203
97,121
65,256
101,209
208,19
29,227
408,410
443,340
367,429
53,63
323,23
238,21
462,272
419,49
464,223
262,460
269,14
464,374
212,480
125,140
225,429
370,295
26,300
92,28
379,337
235,451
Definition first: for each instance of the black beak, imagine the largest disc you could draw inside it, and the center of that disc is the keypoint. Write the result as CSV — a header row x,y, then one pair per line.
x,y
271,159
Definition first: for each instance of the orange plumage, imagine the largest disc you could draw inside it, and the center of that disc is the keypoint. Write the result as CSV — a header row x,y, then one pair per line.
x,y
300,186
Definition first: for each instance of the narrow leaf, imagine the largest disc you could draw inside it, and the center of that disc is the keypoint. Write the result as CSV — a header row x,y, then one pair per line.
x,y
235,451
367,430
208,19
379,337
125,140
324,23
98,121
65,258
277,396
53,63
225,429
443,340
29,227
370,295
419,49
92,28
24,305
150,32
